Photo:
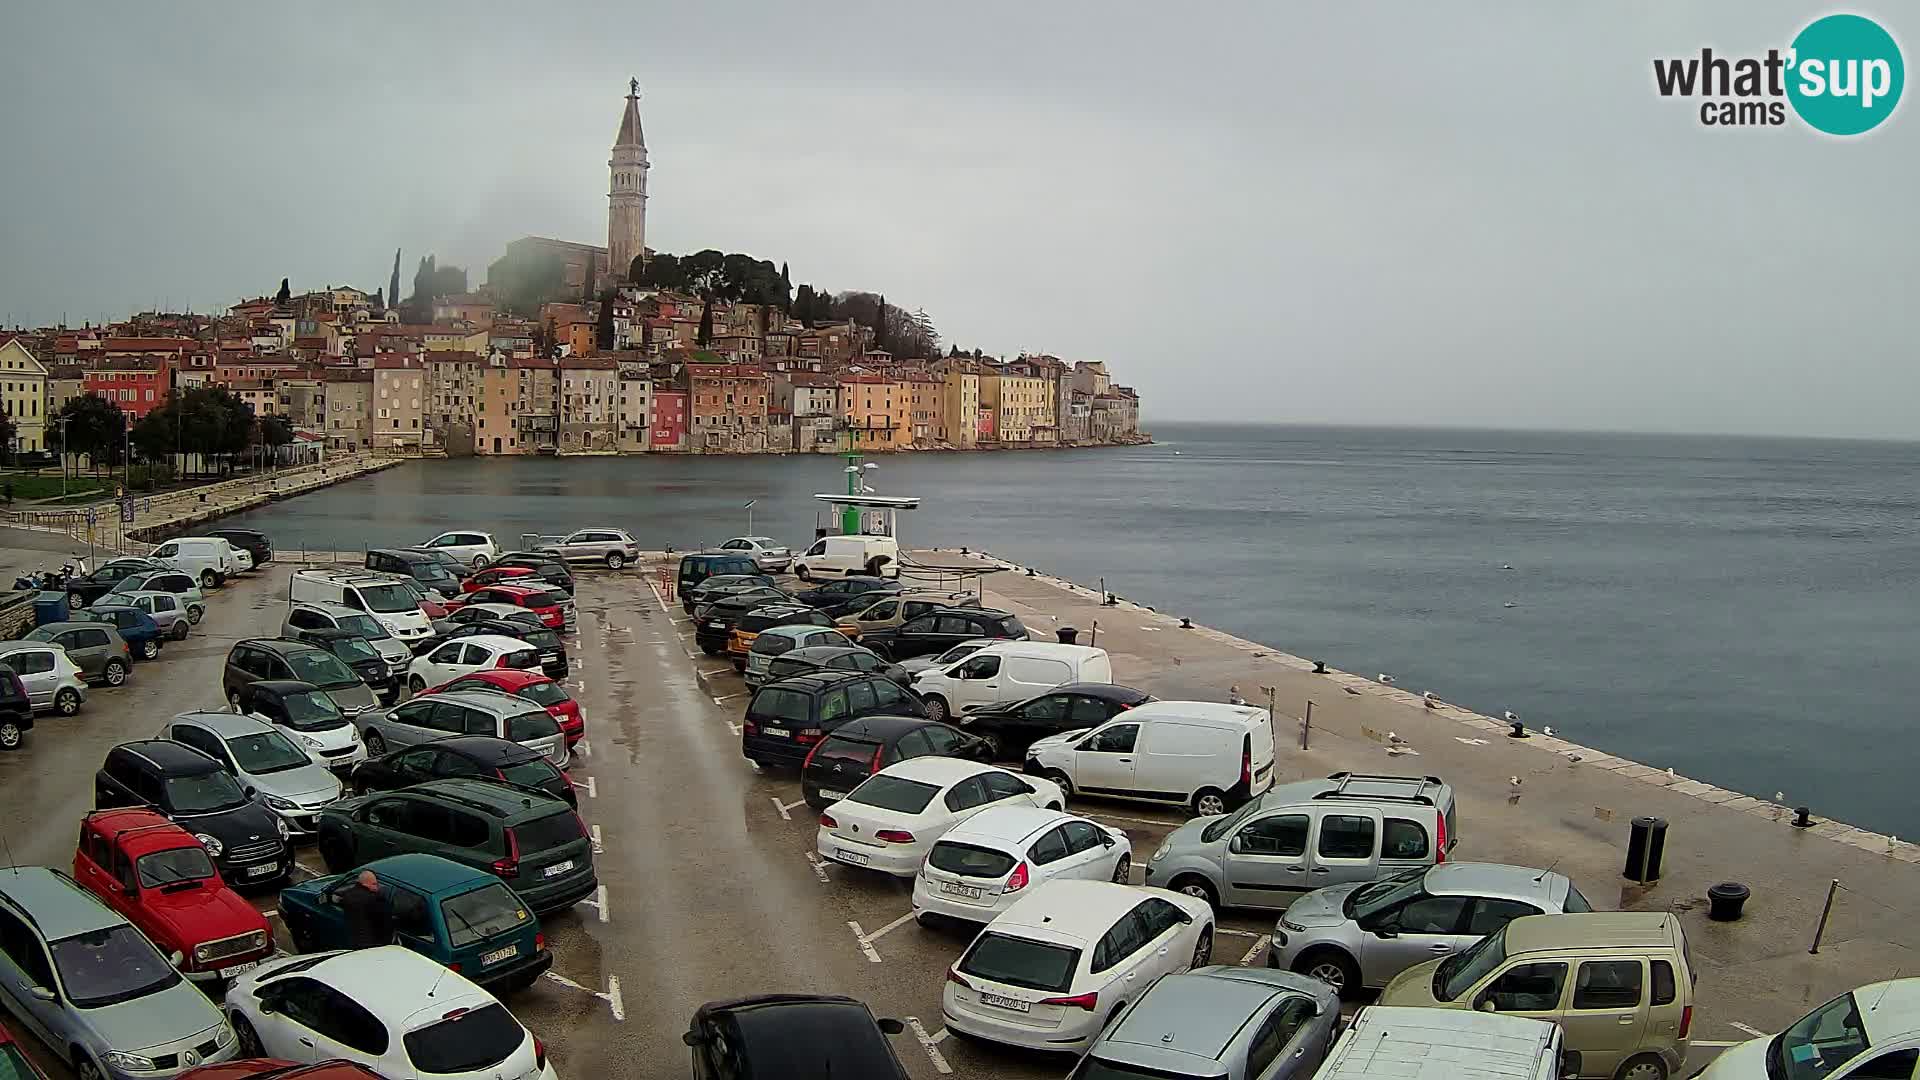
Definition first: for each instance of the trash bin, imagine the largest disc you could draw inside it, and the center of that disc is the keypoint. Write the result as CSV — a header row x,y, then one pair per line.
x,y
1645,845
1068,634
49,607
1725,900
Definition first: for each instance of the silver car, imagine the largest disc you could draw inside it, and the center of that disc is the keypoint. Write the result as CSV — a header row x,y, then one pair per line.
x,y
319,615
768,554
1219,1023
168,610
953,655
95,990
614,547
1350,936
171,581
267,763
51,678
463,712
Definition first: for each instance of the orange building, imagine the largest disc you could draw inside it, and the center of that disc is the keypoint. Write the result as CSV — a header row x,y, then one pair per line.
x,y
878,411
728,408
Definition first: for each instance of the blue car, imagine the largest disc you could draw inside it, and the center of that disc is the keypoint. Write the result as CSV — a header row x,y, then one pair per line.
x,y
137,628
464,918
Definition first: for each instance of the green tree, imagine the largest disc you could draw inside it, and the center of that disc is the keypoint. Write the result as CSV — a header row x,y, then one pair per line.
x,y
706,320
603,333
786,288
802,309
393,281
275,432
95,427
7,432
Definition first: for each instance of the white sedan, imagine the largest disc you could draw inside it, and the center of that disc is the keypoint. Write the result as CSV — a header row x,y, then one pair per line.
x,y
390,1009
464,656
891,820
476,549
768,554
983,866
1054,968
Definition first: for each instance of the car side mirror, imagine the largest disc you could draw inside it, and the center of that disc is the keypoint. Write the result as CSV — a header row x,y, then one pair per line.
x,y
1107,840
692,1038
891,1026
42,993
176,958
1485,1004
1386,931
1236,845
1570,1063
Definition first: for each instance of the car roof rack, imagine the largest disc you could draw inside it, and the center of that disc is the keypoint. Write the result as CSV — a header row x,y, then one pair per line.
x,y
1345,780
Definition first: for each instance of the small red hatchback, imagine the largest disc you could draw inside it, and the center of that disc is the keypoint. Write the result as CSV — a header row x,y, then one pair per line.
x,y
276,1069
531,685
543,600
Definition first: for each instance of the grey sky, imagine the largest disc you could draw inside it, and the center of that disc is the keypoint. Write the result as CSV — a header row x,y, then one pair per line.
x,y
1439,214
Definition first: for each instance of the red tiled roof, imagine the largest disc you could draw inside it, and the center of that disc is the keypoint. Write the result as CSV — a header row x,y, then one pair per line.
x,y
390,362
137,344
598,363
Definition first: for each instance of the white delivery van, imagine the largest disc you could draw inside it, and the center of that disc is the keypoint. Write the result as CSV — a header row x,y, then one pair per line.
x,y
1008,671
208,558
391,601
842,556
1206,755
1447,1044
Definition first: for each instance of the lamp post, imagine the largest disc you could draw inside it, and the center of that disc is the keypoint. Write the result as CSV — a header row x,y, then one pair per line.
x,y
749,509
64,421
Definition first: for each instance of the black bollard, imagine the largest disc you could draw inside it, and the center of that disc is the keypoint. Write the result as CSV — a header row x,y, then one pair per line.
x,y
1802,818
1519,731
1067,635
1646,845
1725,900
1319,667
1186,623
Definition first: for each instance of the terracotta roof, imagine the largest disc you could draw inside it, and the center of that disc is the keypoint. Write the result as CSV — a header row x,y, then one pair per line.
x,y
138,344
395,363
726,371
596,363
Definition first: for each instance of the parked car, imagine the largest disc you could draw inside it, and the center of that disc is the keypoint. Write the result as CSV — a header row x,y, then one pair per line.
x,y
365,1006
476,549
846,594
242,559
278,659
913,665
785,719
1871,1032
446,911
136,627
1355,935
461,656
48,677
1397,1041
828,658
320,615
554,607
553,654
390,600
269,765
531,686
464,755
95,989
16,711
161,879
87,588
431,573
713,627
535,844
777,640
614,547
469,613
859,748
95,648
892,818
793,1037
1010,727
696,567
1348,828
494,575
251,541
167,610
248,842
207,559
983,865
748,626
1053,970
359,655
1619,984
943,628
1007,672
544,566
724,585
767,553
845,556
178,584
1219,1023
465,712
269,1068
309,716
893,609
13,1061
1208,756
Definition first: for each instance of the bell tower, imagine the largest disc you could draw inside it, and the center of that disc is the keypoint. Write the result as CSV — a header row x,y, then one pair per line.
x,y
627,190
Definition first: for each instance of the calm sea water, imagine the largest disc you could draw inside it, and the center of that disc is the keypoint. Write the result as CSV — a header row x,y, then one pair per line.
x,y
1744,610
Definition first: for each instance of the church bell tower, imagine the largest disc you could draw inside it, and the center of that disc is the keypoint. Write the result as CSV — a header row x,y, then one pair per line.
x,y
627,190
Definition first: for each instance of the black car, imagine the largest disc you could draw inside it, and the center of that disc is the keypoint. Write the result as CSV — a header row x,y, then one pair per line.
x,y
719,585
463,755
16,709
941,629
469,614
247,841
553,654
786,719
544,566
426,569
834,658
252,541
717,618
1011,726
792,1037
842,595
699,566
859,748
768,616
84,590
358,654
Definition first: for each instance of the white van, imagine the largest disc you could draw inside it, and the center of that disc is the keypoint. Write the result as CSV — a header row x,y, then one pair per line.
x,y
842,556
1008,671
1209,756
1447,1044
390,600
208,558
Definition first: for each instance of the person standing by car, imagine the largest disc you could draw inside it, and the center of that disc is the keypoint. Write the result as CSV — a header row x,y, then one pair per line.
x,y
369,919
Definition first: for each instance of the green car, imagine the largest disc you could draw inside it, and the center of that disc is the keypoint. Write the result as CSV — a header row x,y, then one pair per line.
x,y
462,917
525,837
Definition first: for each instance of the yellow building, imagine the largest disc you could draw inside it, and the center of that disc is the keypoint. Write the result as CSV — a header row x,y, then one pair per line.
x,y
879,412
1019,405
456,339
23,395
956,419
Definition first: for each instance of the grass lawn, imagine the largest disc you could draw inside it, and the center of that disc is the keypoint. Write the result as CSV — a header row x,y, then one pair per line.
x,y
28,486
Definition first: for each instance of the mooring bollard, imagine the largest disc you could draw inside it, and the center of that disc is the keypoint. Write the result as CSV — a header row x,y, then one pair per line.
x,y
1802,818
1725,900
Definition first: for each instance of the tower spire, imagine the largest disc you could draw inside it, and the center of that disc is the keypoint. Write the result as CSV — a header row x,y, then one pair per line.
x,y
627,189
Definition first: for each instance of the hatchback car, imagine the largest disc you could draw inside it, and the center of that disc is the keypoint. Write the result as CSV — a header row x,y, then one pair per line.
x,y
713,622
553,652
446,911
320,615
767,553
982,866
943,628
308,716
892,609
462,656
166,609
747,628
94,988
175,582
792,1037
532,686
95,648
535,844
267,763
427,570
1350,936
1219,1023
476,549
698,566
48,676
359,655
496,575
720,585
87,588
545,567
842,595
465,712
472,613
280,660
16,711
892,818
136,627
248,842
554,607
954,655
464,755
252,541
1011,727
1871,1032
859,748
785,719
831,658
1057,967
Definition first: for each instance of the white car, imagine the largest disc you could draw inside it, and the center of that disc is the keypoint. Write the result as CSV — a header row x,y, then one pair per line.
x,y
208,559
242,558
891,820
770,555
1054,968
986,864
954,655
464,656
388,1008
1869,1032
476,549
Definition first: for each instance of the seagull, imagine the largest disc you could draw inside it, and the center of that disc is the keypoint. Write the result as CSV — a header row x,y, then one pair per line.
x,y
1547,730
1515,782
1780,796
1509,604
1671,775
1432,701
1351,690
1511,715
1385,679
1506,566
1394,739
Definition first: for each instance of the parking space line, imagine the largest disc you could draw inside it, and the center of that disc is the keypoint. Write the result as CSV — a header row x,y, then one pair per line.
x,y
1254,950
1712,1045
819,868
271,913
591,787
614,1000
732,697
894,925
1135,820
598,848
733,727
782,807
939,1036
1238,933
866,946
310,872
929,1043
1753,1031
583,748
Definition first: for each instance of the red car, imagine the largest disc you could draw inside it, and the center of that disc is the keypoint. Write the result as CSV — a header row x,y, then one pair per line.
x,y
276,1069
531,685
495,576
13,1060
157,875
543,600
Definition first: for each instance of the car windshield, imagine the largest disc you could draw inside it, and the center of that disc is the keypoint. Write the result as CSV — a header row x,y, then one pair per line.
x,y
467,1041
1367,901
539,639
352,649
557,829
960,652
320,668
1219,827
365,626
265,752
1036,965
482,913
543,693
532,725
175,864
388,599
1818,1043
533,772
1093,1068
109,966
313,710
1459,972
207,793
894,793
434,573
1010,626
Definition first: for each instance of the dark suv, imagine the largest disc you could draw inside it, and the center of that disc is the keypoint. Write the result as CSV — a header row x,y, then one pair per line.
x,y
421,567
254,542
859,748
941,629
785,719
719,585
359,655
535,843
844,595
247,841
256,659
698,566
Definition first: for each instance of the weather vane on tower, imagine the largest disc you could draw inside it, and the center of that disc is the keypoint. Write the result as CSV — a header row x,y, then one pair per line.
x,y
634,86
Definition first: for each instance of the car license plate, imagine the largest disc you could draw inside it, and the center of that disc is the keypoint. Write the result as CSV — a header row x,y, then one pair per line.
x,y
853,857
999,1002
716,626
498,955
558,868
238,969
263,869
833,796
967,891
777,732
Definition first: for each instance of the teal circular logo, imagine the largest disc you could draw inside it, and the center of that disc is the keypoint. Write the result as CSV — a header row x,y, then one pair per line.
x,y
1845,74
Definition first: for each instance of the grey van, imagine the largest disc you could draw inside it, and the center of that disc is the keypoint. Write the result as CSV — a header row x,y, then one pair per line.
x,y
1307,835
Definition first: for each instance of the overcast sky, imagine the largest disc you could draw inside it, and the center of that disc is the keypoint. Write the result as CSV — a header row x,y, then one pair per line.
x,y
1416,214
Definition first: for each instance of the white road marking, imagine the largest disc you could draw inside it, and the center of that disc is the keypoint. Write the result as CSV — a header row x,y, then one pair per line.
x,y
940,1036
1753,1031
309,871
733,727
583,748
1254,950
614,1001
1238,933
782,807
819,868
894,925
271,913
732,697
598,848
866,946
1135,820
1469,742
929,1043
591,787
600,892
1712,1045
